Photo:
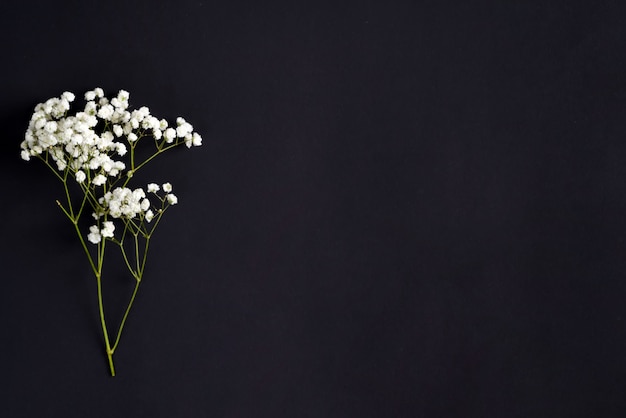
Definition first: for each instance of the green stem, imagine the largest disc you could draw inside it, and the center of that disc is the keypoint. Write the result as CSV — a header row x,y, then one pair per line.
x,y
145,256
134,169
74,213
96,269
137,253
80,237
130,305
69,199
130,268
107,345
54,171
82,206
84,245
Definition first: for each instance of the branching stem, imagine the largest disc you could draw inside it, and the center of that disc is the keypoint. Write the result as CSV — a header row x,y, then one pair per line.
x,y
72,153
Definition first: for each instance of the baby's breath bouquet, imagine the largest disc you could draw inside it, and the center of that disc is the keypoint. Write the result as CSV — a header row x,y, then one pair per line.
x,y
94,153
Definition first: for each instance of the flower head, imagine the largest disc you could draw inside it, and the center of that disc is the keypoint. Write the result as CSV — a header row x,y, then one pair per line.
x,y
171,198
94,234
169,135
123,202
107,229
80,176
99,180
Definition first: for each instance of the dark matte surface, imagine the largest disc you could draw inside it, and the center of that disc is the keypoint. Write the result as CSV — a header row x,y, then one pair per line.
x,y
398,211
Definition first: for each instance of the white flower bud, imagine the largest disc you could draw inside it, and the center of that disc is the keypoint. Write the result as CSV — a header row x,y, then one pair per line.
x,y
68,96
99,180
169,135
107,230
172,199
118,131
80,176
94,235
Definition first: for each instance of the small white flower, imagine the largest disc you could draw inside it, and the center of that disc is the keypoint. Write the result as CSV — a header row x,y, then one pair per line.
x,y
123,95
118,130
169,135
143,112
107,230
167,187
69,96
95,162
183,130
80,176
138,193
99,92
121,149
172,199
118,116
25,155
145,205
150,122
153,188
196,140
47,107
132,137
106,112
51,127
99,180
90,95
64,106
107,164
107,139
94,235
149,215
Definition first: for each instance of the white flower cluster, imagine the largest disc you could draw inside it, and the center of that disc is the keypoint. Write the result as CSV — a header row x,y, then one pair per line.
x,y
72,140
124,203
167,188
89,145
86,142
95,235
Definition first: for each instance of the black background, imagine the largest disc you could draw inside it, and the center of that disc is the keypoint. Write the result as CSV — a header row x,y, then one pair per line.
x,y
398,211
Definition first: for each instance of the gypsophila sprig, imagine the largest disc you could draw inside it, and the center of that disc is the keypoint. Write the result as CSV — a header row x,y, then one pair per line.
x,y
96,149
